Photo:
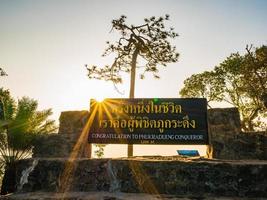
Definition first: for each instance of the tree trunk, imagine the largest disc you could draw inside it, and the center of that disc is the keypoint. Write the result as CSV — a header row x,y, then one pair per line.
x,y
133,72
9,179
2,112
132,88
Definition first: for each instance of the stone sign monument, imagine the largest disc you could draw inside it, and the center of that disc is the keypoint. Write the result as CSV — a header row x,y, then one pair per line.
x,y
149,121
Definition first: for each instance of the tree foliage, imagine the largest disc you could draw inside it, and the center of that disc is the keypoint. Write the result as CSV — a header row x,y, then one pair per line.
x,y
20,124
240,80
147,43
205,85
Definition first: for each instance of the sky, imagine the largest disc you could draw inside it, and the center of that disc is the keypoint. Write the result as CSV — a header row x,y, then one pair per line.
x,y
44,44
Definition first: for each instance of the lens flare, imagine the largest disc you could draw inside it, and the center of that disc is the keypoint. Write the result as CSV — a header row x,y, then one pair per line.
x,y
99,99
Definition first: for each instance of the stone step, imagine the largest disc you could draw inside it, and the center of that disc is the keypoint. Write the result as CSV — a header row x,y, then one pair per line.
x,y
110,196
152,175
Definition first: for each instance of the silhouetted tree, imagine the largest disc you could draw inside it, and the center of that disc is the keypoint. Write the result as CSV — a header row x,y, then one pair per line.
x,y
240,81
147,43
20,124
204,85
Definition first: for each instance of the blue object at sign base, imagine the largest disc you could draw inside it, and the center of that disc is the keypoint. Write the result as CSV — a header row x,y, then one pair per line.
x,y
189,153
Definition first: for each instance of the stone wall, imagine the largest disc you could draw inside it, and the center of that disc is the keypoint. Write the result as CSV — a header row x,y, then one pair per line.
x,y
155,175
224,123
72,122
177,177
243,146
229,142
54,145
226,137
61,144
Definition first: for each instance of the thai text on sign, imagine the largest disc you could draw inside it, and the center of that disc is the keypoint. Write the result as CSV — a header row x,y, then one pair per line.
x,y
149,121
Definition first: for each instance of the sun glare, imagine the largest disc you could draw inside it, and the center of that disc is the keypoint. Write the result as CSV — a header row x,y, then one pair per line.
x,y
99,99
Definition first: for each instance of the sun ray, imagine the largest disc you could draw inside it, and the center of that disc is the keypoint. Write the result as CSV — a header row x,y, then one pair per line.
x,y
144,182
66,178
139,174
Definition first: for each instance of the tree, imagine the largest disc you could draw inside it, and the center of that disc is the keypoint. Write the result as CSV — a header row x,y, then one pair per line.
x,y
147,43
256,62
240,81
205,85
20,124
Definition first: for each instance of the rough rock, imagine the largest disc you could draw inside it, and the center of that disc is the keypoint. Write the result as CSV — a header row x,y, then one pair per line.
x,y
111,196
226,137
54,145
61,144
224,122
179,176
243,146
72,122
229,142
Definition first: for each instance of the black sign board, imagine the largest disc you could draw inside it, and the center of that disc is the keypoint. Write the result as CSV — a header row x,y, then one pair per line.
x,y
149,121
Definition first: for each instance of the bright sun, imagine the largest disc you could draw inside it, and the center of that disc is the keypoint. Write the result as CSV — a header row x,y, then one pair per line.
x,y
99,99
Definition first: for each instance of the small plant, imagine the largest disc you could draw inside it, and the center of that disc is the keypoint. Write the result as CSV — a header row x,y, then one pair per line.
x,y
100,151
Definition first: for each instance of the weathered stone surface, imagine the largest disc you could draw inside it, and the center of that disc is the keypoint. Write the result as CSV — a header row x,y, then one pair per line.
x,y
243,146
72,122
110,196
177,177
225,134
172,176
224,123
61,144
54,145
229,142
